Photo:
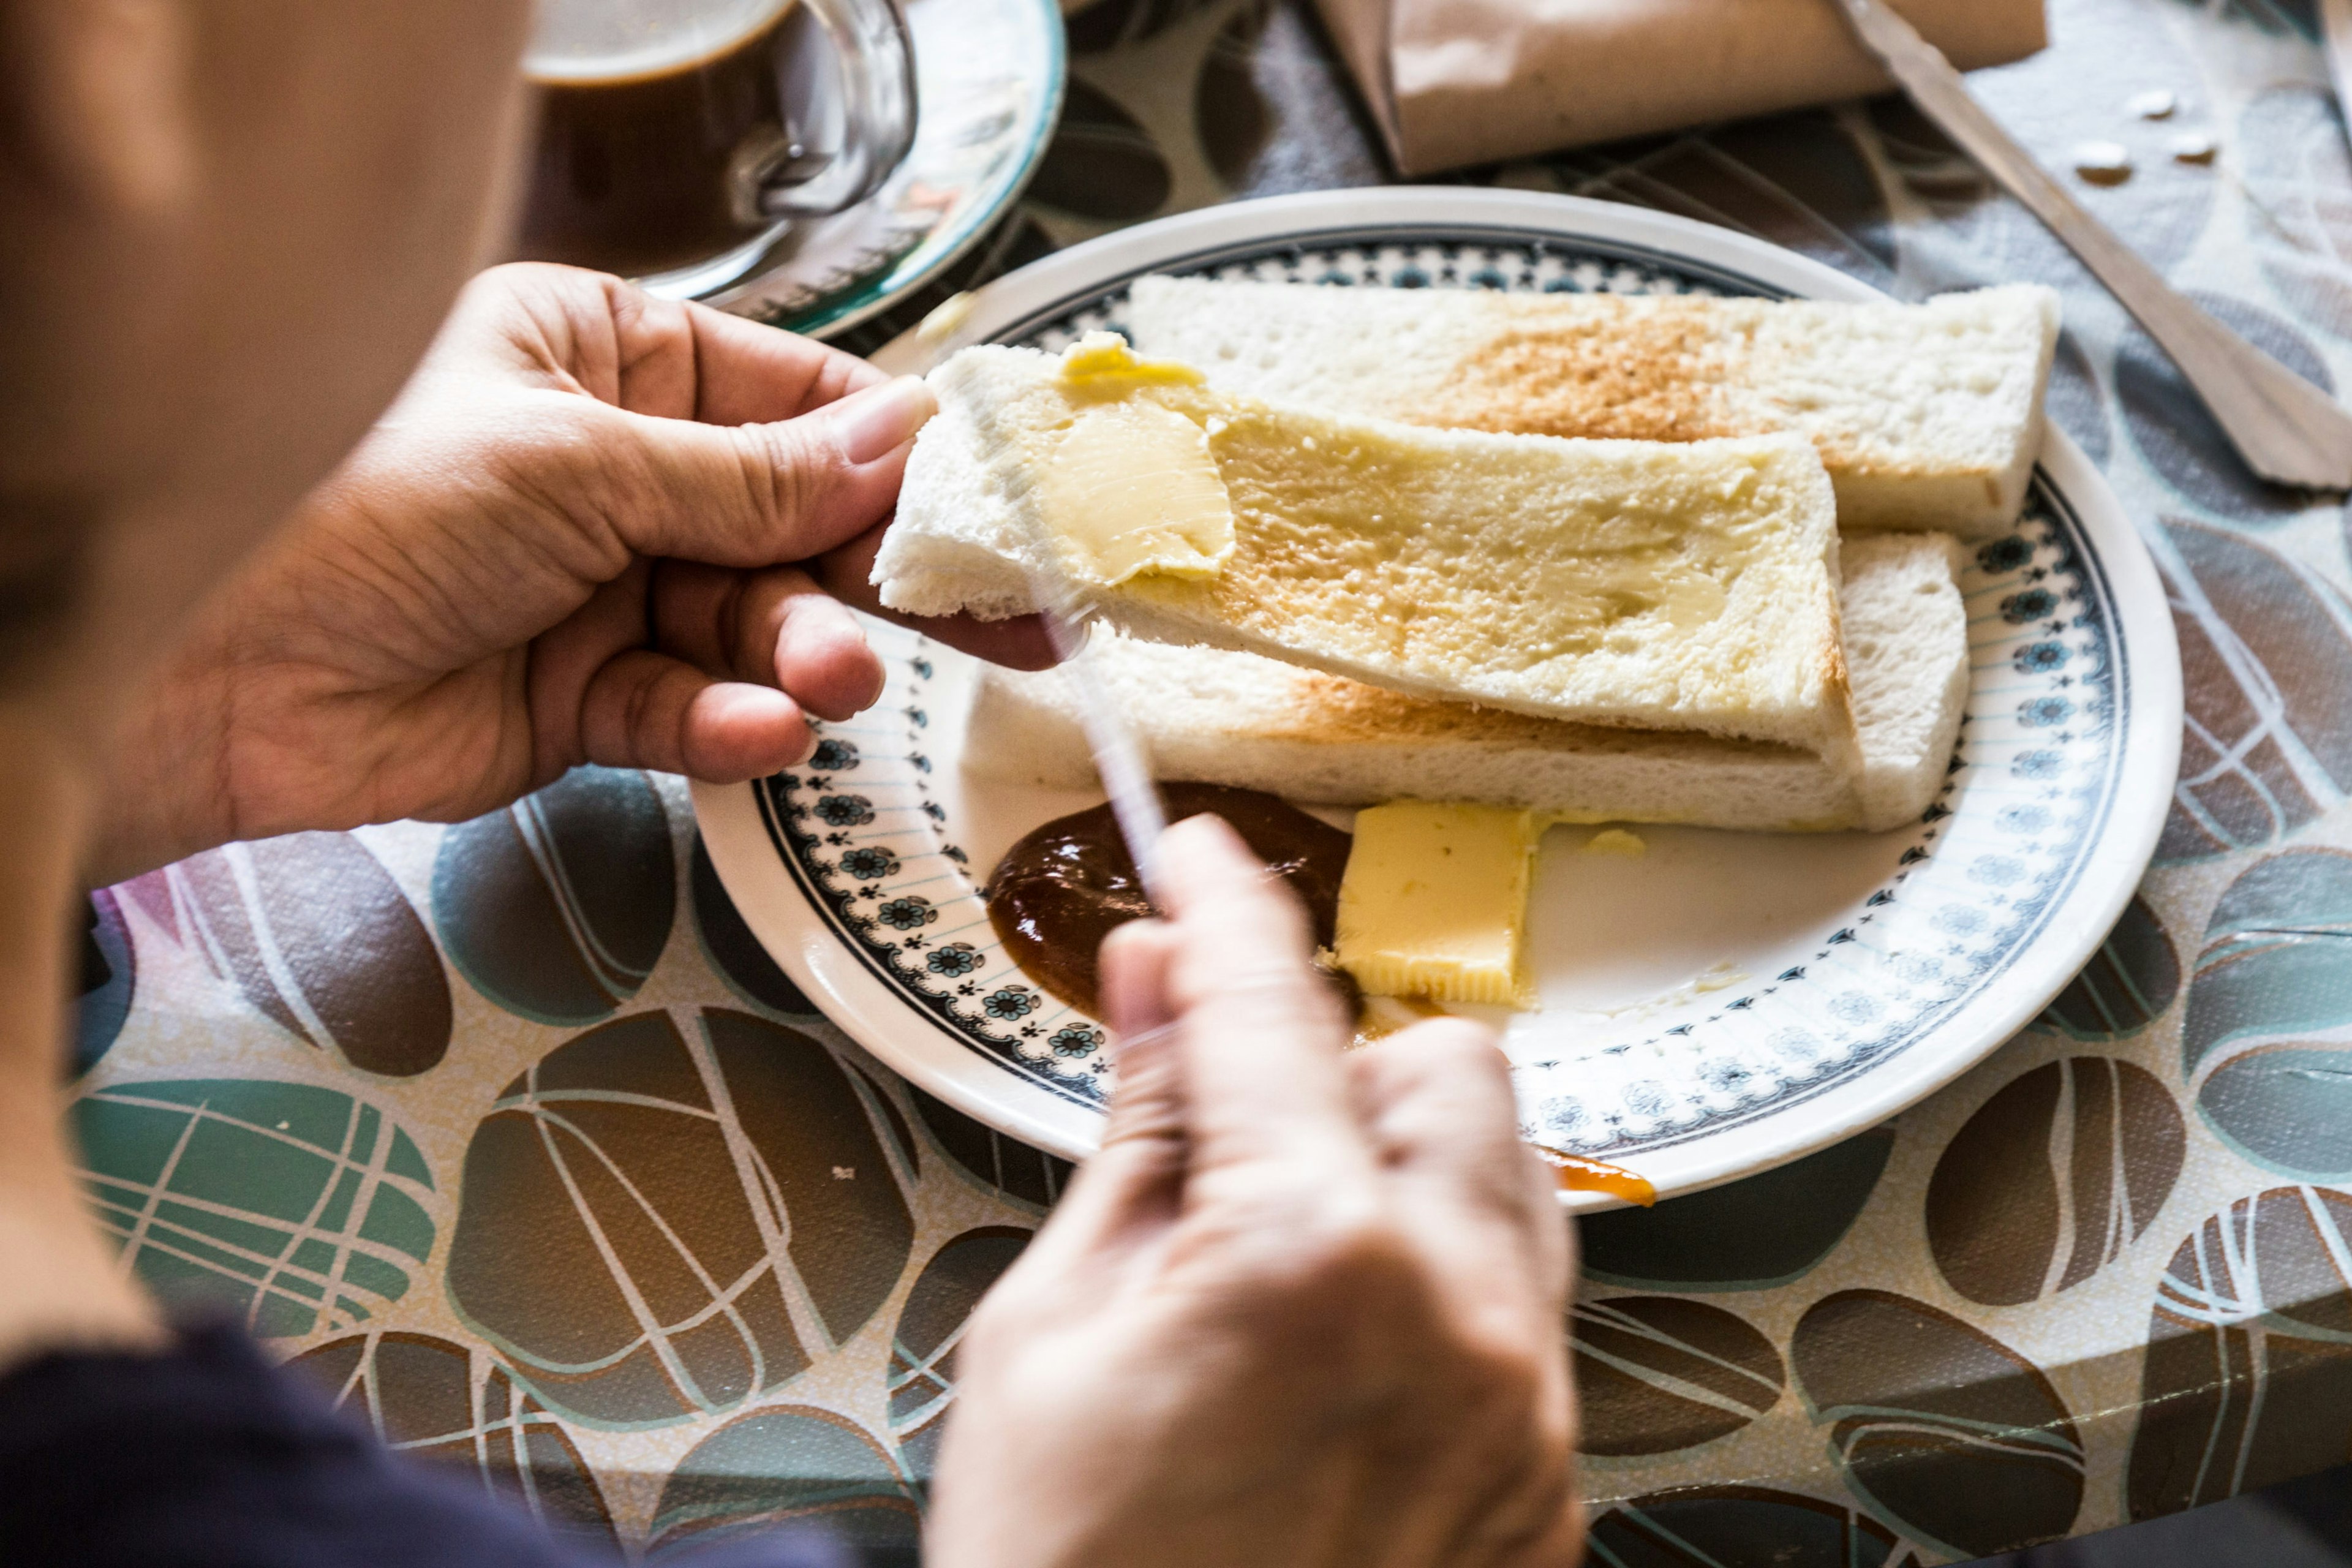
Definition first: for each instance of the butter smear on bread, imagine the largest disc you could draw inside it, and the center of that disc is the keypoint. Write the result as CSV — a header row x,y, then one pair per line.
x,y
1132,489
1632,584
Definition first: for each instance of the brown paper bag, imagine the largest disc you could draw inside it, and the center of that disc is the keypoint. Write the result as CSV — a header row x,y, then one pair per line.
x,y
1469,81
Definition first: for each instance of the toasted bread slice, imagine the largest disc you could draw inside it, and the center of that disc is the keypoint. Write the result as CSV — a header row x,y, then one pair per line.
x,y
1626,584
1215,717
1927,416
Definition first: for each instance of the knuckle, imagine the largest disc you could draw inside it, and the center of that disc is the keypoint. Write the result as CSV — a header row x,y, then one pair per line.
x,y
506,278
1350,1255
1503,1371
512,272
787,467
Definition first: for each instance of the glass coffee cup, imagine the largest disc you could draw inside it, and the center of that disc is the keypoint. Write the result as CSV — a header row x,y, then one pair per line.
x,y
679,140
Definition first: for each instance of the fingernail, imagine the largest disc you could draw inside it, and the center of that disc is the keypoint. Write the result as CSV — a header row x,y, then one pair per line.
x,y
877,421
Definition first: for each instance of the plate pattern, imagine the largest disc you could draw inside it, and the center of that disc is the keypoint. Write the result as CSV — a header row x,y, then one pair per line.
x,y
868,839
866,835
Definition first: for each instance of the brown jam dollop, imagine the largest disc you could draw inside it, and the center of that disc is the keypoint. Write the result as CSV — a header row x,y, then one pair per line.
x,y
1069,884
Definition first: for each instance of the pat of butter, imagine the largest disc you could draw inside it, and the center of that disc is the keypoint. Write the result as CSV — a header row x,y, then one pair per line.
x,y
1132,489
1435,902
1100,357
1617,841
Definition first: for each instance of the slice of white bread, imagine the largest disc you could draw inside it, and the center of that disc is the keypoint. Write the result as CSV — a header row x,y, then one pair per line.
x,y
1214,717
1927,415
1630,584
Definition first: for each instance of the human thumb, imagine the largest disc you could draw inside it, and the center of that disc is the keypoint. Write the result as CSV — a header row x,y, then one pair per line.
x,y
755,495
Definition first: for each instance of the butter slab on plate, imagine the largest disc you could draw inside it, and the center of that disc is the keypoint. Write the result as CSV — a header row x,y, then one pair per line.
x,y
1435,903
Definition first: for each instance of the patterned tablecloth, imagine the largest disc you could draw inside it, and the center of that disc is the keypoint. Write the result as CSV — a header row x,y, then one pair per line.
x,y
509,1133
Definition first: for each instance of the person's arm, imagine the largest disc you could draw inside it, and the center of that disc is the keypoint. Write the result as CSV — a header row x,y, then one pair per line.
x,y
595,527
1304,1307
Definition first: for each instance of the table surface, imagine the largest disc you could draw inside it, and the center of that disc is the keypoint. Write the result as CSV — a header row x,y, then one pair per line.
x,y
510,1133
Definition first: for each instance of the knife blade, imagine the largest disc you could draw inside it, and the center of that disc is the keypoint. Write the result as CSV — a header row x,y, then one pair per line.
x,y
2287,429
1070,616
1072,622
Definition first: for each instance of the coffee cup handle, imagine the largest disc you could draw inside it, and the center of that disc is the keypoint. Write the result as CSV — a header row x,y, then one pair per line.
x,y
852,130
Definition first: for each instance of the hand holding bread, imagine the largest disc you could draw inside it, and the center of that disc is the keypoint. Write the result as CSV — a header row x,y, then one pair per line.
x,y
596,527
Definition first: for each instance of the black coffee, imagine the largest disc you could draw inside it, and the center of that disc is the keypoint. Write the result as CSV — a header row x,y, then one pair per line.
x,y
646,170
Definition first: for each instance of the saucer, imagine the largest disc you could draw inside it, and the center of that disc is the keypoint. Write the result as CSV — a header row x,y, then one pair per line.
x,y
989,76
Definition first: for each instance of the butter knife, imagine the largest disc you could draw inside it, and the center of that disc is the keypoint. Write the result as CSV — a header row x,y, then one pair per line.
x,y
1070,616
2287,429
1119,757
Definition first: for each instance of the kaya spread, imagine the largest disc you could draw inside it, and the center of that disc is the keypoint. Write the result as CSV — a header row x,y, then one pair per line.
x,y
1067,885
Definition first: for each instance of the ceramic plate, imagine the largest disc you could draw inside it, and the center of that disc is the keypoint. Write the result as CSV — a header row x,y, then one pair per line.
x,y
1725,1004
987,86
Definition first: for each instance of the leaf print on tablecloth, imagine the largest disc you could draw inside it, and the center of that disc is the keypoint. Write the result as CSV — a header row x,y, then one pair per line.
x,y
2076,401
1273,111
1101,163
2178,436
2134,976
731,947
1797,180
314,932
1741,1527
775,1468
922,1351
107,980
557,907
2267,1045
2248,1379
1106,24
450,1405
2052,1178
1747,1235
2296,18
2266,667
658,1222
1655,1374
1013,1168
1939,1427
2298,174
278,1200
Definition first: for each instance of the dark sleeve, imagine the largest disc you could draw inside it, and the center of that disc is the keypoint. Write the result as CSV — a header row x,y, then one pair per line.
x,y
206,1457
